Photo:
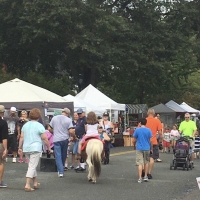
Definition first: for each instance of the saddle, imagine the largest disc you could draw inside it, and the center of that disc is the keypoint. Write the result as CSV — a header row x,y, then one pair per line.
x,y
86,141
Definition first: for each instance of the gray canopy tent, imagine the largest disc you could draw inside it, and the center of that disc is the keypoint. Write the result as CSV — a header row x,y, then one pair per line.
x,y
167,115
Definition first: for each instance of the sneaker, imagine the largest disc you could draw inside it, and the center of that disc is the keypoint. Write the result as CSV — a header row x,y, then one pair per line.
x,y
26,161
6,159
66,168
3,185
139,180
72,167
149,176
14,160
146,179
60,175
80,169
77,167
20,160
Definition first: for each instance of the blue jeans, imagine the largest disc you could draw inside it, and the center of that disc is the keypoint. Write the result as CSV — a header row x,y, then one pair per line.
x,y
60,150
75,149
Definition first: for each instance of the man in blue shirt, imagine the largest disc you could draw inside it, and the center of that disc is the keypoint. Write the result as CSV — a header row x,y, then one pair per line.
x,y
142,143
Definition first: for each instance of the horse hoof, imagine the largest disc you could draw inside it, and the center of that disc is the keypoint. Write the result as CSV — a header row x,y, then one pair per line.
x,y
90,180
93,182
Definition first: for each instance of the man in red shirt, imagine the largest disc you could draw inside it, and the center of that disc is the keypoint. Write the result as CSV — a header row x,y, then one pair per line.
x,y
155,126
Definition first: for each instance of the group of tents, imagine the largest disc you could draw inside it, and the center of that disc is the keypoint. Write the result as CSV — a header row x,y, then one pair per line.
x,y
172,112
24,95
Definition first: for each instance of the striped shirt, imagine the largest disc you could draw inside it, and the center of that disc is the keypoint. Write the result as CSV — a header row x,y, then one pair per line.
x,y
197,143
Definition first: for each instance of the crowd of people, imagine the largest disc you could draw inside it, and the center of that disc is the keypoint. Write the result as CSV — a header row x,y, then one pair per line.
x,y
27,135
150,137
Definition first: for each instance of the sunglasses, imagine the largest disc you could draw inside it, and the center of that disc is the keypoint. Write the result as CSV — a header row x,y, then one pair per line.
x,y
79,113
100,128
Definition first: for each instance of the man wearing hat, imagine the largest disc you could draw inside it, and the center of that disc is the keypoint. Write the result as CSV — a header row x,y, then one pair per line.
x,y
3,144
61,127
12,121
79,132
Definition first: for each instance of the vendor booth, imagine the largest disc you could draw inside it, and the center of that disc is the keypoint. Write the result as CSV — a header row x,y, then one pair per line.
x,y
24,95
93,96
167,115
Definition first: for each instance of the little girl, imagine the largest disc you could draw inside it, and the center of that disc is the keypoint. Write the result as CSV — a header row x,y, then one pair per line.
x,y
174,135
50,137
166,140
91,129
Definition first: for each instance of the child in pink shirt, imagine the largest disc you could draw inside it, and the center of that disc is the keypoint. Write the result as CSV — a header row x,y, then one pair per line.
x,y
91,129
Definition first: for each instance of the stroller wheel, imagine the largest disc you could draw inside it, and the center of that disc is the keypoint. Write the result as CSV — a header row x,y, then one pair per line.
x,y
171,165
187,166
175,166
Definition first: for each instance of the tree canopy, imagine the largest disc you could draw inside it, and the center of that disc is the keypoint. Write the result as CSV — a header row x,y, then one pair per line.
x,y
133,51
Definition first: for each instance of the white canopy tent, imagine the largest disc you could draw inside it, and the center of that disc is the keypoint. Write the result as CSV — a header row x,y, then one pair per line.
x,y
92,95
24,95
17,90
189,109
87,107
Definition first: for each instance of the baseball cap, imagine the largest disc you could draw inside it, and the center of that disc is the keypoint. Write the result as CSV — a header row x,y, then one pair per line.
x,y
13,109
80,110
105,114
2,109
99,117
66,110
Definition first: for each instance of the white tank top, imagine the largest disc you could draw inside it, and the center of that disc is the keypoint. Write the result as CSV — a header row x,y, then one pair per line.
x,y
92,129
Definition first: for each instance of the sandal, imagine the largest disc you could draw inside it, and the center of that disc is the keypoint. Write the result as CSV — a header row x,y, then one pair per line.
x,y
36,186
29,189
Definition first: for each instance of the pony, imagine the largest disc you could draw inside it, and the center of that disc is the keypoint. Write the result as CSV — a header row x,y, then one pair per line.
x,y
93,154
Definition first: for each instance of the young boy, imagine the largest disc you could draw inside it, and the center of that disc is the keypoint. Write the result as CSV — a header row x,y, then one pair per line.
x,y
142,143
166,140
197,145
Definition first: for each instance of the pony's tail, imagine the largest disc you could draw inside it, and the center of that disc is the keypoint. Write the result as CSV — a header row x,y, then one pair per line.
x,y
96,160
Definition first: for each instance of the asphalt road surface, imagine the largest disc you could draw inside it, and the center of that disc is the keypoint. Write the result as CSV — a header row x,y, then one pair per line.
x,y
118,181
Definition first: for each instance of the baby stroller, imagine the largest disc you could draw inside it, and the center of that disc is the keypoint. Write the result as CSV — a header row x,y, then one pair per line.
x,y
181,157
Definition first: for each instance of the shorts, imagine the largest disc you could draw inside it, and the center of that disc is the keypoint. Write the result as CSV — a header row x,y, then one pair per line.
x,y
166,144
75,148
174,138
71,147
155,152
142,157
2,160
12,142
192,147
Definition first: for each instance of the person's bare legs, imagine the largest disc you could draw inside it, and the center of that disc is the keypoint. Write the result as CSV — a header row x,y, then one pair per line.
x,y
146,168
73,159
14,154
28,182
35,183
1,171
151,165
140,171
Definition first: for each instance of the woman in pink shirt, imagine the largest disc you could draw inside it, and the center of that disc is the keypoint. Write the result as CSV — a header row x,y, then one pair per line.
x,y
174,135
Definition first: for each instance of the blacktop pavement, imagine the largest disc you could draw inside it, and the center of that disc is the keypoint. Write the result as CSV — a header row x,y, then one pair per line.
x,y
118,181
